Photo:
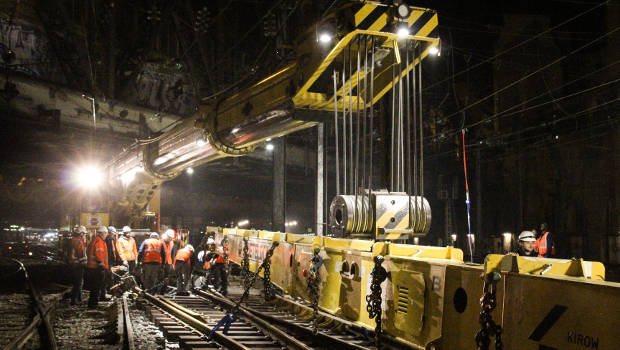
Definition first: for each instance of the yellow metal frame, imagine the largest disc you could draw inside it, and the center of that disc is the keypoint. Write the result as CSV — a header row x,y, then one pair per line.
x,y
592,270
313,100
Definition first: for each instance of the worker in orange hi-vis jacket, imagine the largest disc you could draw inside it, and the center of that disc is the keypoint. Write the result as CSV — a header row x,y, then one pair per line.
x,y
151,254
170,249
97,263
183,269
77,260
127,250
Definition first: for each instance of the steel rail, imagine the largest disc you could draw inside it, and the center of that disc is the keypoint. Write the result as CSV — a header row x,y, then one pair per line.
x,y
397,342
258,320
125,326
194,320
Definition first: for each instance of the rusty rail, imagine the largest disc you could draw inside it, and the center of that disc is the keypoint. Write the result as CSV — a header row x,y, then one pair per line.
x,y
40,320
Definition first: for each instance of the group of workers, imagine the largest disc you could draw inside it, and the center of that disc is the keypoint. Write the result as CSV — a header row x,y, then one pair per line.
x,y
536,243
102,251
160,260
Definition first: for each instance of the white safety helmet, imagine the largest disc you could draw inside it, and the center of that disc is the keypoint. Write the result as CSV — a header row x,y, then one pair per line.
x,y
164,236
154,235
102,229
111,229
527,236
170,233
210,240
189,247
82,229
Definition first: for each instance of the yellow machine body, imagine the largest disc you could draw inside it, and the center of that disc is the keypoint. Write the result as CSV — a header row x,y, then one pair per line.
x,y
432,297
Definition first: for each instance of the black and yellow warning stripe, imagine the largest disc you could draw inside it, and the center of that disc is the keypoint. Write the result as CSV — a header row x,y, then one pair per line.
x,y
374,19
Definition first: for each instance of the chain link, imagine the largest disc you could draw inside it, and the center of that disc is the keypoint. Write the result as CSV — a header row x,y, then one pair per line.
x,y
267,291
373,300
488,327
245,263
313,278
252,279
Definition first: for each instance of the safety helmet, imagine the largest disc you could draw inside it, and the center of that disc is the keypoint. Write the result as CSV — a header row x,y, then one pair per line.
x,y
170,233
102,229
154,235
210,240
164,236
111,229
527,236
82,229
189,247
126,229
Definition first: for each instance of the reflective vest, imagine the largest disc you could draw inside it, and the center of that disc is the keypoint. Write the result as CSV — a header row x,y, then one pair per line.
x,y
183,255
77,253
152,251
168,249
541,244
222,257
97,254
127,248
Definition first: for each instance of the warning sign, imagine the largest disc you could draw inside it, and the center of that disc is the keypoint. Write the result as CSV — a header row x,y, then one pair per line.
x,y
94,220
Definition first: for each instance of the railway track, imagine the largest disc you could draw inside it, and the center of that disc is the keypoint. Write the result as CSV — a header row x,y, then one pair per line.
x,y
189,320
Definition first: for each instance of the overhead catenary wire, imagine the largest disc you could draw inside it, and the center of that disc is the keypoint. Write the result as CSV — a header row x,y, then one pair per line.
x,y
542,125
505,113
517,45
558,60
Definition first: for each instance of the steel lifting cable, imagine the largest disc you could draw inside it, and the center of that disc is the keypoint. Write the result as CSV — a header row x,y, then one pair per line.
x,y
372,102
392,136
344,121
336,132
408,155
350,122
363,185
467,202
398,125
408,120
401,128
421,128
357,131
415,139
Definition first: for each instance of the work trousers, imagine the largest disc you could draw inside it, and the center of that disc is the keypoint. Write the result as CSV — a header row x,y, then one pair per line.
x,y
168,272
107,283
221,278
95,282
77,279
184,276
151,274
131,266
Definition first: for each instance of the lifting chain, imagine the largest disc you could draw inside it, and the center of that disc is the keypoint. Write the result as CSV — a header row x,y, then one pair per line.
x,y
251,277
245,263
313,278
231,316
373,301
267,291
488,302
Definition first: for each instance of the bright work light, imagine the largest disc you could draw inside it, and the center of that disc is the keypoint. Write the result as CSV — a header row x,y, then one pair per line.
x,y
88,177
